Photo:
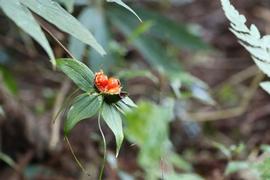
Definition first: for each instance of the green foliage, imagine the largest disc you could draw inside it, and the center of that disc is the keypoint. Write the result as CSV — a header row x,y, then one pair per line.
x,y
25,20
113,119
121,3
235,166
230,151
18,11
56,15
148,127
81,75
153,52
8,80
84,106
5,158
168,30
67,3
130,74
98,26
264,169
250,38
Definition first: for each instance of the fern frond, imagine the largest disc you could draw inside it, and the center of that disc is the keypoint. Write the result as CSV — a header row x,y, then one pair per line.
x,y
249,37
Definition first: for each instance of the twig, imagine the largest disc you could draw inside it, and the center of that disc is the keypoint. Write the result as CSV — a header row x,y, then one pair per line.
x,y
232,112
241,76
55,134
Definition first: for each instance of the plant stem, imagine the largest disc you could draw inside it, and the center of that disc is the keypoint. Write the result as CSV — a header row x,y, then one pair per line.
x,y
105,147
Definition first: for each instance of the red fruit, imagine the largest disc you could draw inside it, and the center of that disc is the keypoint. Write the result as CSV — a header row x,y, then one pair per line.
x,y
101,81
107,85
114,86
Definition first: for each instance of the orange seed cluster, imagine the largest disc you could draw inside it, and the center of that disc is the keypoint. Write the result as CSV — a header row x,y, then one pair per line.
x,y
107,85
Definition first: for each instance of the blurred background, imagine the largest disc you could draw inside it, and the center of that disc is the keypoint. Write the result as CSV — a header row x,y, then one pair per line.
x,y
200,115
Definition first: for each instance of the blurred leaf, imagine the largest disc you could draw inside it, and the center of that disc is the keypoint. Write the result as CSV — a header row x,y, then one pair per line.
x,y
141,29
84,106
180,162
130,74
2,112
140,124
171,31
264,168
81,2
228,95
265,148
151,49
8,80
55,14
202,94
24,19
121,3
81,75
176,85
98,26
183,176
76,47
5,158
148,127
125,105
237,149
67,3
129,102
125,176
113,119
266,86
198,88
226,151
122,107
235,166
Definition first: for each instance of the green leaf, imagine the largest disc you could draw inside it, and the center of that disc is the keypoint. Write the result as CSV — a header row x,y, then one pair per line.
x,y
67,3
179,162
121,3
235,166
148,127
55,14
183,176
265,148
134,73
150,48
8,80
97,25
25,20
129,102
263,169
84,106
172,31
122,107
113,119
7,159
226,151
101,32
81,75
125,105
